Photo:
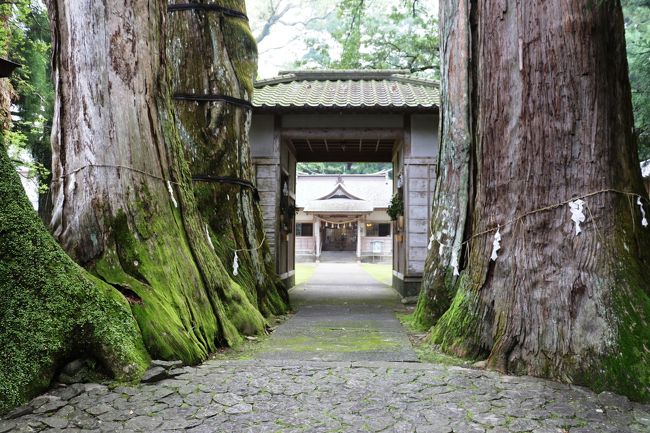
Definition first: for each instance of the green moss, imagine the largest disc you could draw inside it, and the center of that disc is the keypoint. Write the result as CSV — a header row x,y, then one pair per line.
x,y
380,272
304,271
455,332
435,297
626,369
423,348
51,310
326,341
173,311
411,324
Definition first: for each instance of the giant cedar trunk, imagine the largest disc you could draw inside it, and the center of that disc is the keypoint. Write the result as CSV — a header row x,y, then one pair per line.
x,y
452,184
51,310
550,120
215,54
124,204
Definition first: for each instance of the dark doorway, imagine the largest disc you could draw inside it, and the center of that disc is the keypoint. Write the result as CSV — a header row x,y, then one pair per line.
x,y
340,237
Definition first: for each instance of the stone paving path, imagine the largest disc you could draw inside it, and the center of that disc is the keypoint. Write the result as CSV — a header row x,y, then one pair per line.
x,y
343,314
297,394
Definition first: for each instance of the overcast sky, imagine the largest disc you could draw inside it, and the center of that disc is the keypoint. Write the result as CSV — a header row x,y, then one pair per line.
x,y
286,43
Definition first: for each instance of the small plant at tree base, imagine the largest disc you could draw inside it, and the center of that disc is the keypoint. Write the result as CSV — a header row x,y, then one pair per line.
x,y
396,207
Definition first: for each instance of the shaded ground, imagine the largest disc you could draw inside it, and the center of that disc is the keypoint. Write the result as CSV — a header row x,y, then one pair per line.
x,y
345,317
343,314
289,396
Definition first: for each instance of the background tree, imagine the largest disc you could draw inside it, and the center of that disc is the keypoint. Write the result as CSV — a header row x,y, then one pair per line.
x,y
30,45
367,34
637,34
554,304
344,167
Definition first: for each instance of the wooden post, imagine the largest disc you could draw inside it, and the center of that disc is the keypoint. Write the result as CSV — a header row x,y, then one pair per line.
x,y
359,241
317,238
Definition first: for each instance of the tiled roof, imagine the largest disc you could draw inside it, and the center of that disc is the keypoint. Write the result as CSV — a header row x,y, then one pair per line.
x,y
339,205
387,89
375,189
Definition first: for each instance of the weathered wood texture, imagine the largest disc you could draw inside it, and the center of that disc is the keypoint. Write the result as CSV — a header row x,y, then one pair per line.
x,y
215,54
551,120
451,200
420,175
124,201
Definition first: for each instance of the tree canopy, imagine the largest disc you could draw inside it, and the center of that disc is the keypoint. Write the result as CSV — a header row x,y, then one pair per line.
x,y
637,34
366,34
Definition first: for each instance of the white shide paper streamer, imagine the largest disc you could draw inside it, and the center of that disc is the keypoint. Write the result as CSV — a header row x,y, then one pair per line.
x,y
496,245
171,193
644,221
235,265
454,262
577,215
207,235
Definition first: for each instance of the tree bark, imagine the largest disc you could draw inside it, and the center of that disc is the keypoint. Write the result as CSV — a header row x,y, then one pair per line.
x,y
451,201
52,310
215,54
550,120
124,202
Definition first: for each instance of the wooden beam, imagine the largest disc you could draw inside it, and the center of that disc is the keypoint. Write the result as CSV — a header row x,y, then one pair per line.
x,y
344,157
343,133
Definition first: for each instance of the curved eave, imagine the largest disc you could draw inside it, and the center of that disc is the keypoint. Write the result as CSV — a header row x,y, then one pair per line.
x,y
272,109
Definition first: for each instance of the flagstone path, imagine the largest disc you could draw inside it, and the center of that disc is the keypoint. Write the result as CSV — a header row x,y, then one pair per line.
x,y
329,380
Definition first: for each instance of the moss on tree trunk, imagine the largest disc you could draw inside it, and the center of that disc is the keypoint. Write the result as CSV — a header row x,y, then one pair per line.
x,y
51,310
215,54
549,120
124,201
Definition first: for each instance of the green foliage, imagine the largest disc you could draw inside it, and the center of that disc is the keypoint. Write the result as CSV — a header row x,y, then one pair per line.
x,y
396,207
27,41
344,167
637,34
51,310
368,38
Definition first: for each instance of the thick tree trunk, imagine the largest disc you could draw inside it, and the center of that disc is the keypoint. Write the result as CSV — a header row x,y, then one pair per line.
x,y
51,310
450,204
214,54
124,203
551,121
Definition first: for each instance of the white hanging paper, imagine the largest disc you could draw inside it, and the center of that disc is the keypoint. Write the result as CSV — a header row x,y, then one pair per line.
x,y
577,215
496,245
644,221
235,265
431,239
171,193
207,235
454,263
441,249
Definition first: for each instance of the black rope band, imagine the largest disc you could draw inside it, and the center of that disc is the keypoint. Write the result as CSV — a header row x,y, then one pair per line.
x,y
212,98
227,179
177,7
